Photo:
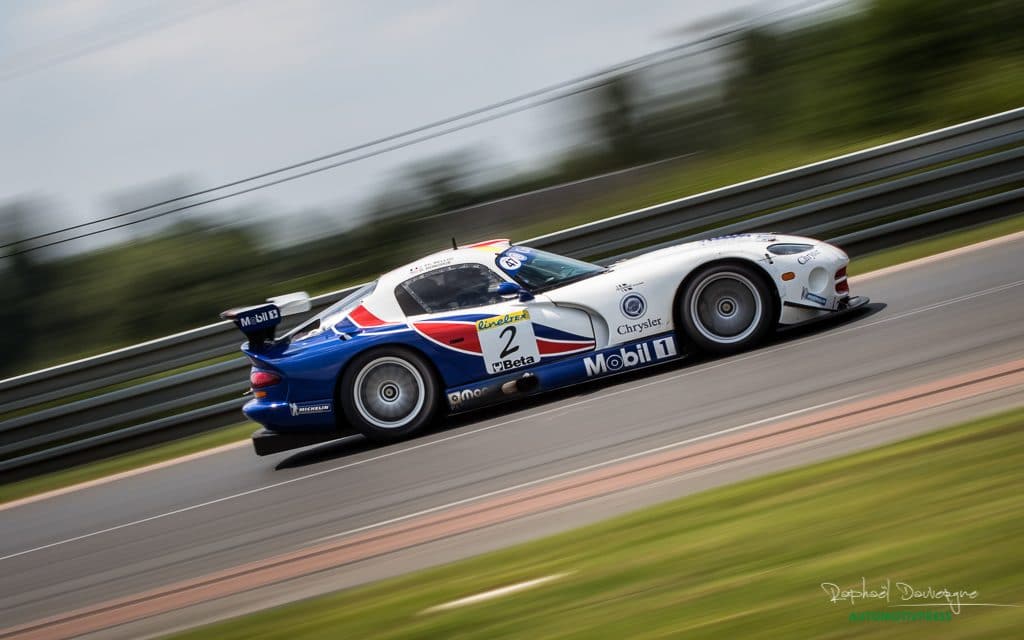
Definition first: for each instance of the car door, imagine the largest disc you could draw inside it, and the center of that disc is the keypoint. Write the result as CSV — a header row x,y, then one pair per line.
x,y
481,333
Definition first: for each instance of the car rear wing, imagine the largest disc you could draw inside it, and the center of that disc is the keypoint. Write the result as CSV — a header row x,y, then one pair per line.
x,y
258,322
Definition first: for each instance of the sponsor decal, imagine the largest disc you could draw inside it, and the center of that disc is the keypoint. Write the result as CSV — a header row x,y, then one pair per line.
x,y
513,258
810,255
758,237
306,408
813,297
500,321
511,363
458,398
625,286
433,264
259,317
638,327
633,305
510,262
629,357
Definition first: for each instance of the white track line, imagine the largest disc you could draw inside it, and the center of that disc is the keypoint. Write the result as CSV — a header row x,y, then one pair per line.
x,y
584,469
167,463
496,593
529,416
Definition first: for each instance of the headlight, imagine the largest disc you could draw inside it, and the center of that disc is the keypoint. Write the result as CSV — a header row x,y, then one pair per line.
x,y
789,248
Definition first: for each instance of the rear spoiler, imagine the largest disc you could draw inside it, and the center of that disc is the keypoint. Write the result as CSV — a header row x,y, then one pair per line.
x,y
258,322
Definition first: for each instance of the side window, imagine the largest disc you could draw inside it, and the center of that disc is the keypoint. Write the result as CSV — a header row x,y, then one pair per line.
x,y
448,289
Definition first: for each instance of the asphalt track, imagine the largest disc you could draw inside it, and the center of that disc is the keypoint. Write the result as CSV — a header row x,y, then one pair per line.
x,y
215,512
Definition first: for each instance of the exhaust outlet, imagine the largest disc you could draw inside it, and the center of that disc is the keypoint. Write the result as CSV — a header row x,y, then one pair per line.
x,y
527,383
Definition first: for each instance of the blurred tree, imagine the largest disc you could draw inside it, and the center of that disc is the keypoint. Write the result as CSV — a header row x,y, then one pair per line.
x,y
443,182
613,123
23,279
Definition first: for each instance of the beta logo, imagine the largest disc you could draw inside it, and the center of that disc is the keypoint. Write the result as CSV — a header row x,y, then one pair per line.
x,y
509,363
633,305
629,357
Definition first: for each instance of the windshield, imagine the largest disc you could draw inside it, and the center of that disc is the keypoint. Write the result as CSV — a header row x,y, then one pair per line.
x,y
332,314
539,270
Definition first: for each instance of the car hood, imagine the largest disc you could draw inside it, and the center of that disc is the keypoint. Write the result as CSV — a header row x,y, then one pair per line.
x,y
757,242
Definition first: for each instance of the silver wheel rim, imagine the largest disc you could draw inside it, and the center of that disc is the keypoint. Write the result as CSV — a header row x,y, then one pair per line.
x,y
726,307
389,392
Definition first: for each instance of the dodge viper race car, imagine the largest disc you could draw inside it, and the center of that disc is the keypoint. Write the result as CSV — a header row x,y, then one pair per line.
x,y
487,322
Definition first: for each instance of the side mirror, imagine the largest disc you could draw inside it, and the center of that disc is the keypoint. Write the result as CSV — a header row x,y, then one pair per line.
x,y
513,289
508,289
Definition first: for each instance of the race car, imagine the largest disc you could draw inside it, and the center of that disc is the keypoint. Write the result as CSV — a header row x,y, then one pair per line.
x,y
492,321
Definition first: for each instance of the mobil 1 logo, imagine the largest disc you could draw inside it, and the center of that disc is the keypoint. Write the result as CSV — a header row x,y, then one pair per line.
x,y
636,355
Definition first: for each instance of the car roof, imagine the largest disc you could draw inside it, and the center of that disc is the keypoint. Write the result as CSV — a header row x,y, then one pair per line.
x,y
476,253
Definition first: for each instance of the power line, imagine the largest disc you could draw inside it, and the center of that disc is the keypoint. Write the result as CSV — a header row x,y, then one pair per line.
x,y
88,48
559,87
560,90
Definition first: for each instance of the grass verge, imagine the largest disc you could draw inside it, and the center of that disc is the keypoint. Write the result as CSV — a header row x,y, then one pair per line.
x,y
160,453
125,462
744,561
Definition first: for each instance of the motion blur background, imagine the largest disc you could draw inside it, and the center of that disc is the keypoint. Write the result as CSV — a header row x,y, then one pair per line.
x,y
107,107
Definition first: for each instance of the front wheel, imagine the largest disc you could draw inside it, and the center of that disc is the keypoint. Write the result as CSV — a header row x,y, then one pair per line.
x,y
387,394
726,308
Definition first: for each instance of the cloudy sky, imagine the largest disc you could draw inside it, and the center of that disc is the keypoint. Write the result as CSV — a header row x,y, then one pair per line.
x,y
98,97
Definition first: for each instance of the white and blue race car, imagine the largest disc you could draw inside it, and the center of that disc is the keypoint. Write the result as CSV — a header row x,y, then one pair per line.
x,y
491,321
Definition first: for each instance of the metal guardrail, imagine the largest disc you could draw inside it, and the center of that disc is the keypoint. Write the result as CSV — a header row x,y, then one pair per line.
x,y
952,177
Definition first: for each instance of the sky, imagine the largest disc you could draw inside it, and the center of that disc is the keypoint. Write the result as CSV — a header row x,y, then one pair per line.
x,y
100,99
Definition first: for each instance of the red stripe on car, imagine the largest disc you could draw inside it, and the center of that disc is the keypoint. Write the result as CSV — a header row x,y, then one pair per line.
x,y
555,347
460,336
363,318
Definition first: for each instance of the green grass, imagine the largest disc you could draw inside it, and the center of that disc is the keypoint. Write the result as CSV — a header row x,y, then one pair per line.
x,y
94,470
744,561
125,462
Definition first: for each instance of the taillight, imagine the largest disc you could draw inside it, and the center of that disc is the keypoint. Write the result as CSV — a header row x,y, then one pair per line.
x,y
259,379
842,285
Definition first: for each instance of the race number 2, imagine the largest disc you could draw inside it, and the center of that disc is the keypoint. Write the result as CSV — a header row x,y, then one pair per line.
x,y
508,341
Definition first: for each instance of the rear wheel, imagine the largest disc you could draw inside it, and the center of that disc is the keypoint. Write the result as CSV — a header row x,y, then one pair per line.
x,y
389,393
727,308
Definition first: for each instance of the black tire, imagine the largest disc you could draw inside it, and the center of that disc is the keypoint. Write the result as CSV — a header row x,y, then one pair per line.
x,y
727,308
388,393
